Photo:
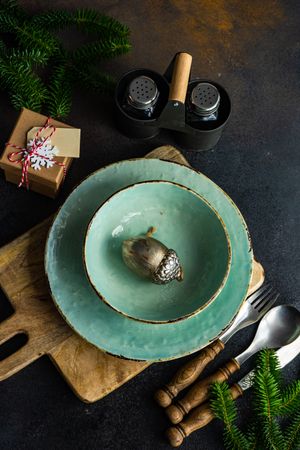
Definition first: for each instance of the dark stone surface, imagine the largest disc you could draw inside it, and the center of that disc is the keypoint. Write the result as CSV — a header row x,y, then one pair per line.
x,y
253,50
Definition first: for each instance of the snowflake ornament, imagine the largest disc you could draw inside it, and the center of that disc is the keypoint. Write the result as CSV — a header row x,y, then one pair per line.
x,y
46,153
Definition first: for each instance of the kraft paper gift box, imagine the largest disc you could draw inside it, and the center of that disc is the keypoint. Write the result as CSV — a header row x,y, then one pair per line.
x,y
46,181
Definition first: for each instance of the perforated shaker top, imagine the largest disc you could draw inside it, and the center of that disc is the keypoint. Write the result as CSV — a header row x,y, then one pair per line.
x,y
142,92
205,99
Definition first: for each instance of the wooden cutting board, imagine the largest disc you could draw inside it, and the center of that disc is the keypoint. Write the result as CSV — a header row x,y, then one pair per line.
x,y
91,373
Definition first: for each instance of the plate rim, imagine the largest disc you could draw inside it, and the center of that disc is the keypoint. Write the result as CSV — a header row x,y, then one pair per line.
x,y
182,354
185,316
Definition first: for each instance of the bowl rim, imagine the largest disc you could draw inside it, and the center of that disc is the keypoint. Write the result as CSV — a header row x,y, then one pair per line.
x,y
202,198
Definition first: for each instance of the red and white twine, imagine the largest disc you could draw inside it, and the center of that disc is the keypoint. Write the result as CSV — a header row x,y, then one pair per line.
x,y
24,154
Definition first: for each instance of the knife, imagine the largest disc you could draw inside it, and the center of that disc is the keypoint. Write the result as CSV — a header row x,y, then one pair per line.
x,y
203,415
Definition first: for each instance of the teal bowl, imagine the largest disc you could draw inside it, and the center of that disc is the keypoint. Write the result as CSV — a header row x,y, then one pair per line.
x,y
185,222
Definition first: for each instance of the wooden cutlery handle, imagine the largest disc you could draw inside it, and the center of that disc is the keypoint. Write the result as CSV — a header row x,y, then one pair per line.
x,y
199,392
199,418
180,77
187,374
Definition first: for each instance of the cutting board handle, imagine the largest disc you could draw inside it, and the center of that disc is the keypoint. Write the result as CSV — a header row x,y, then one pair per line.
x,y
180,77
9,328
22,357
18,360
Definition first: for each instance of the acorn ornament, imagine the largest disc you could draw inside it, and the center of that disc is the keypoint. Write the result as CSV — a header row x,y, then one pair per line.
x,y
151,259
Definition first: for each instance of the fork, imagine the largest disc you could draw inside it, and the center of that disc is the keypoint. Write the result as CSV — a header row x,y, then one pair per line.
x,y
252,310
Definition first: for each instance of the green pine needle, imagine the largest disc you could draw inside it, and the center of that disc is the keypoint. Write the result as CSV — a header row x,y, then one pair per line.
x,y
270,401
25,87
290,403
267,393
103,49
8,22
266,386
60,92
9,5
37,47
88,20
36,38
224,409
30,57
13,7
267,361
293,434
271,433
11,14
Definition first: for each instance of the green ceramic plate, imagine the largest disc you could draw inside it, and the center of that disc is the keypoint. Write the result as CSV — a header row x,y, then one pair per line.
x,y
184,222
101,325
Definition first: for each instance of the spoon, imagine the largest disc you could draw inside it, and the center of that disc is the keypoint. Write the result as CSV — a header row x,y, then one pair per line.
x,y
280,326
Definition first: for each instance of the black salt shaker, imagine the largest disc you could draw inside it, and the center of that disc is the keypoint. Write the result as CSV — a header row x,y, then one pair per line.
x,y
141,97
203,103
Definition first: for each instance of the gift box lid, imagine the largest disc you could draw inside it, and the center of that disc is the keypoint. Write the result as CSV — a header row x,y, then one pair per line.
x,y
27,120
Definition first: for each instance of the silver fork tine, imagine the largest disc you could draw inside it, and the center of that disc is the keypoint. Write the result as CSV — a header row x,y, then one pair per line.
x,y
267,303
258,293
267,292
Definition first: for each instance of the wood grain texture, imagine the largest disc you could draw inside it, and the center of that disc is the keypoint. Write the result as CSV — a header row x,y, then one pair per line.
x,y
91,373
188,373
180,77
199,418
199,392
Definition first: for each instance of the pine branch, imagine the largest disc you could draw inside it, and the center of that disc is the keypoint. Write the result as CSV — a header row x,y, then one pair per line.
x,y
31,57
266,384
8,22
253,437
26,88
267,362
37,39
11,15
8,5
90,77
290,399
37,46
13,7
272,434
88,20
104,49
224,409
267,398
59,98
293,434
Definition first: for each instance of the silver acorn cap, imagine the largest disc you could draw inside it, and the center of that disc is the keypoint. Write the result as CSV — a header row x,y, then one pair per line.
x,y
150,258
169,269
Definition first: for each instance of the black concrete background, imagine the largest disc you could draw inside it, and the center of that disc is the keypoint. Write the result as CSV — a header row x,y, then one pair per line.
x,y
253,50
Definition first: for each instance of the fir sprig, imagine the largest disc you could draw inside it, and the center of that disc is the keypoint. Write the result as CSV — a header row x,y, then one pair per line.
x,y
293,433
101,50
270,401
31,57
88,20
60,91
225,410
28,89
13,7
38,47
8,22
36,38
290,402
